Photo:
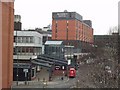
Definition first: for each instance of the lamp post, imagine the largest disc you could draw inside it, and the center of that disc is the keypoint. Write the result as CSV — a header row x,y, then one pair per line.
x,y
26,71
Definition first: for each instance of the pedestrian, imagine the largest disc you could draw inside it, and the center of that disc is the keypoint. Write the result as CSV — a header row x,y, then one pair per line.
x,y
61,78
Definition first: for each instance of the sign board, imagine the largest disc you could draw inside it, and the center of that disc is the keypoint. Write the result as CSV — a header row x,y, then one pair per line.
x,y
57,67
25,70
69,62
63,67
62,14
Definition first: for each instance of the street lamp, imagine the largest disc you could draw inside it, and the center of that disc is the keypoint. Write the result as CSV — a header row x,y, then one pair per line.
x,y
26,71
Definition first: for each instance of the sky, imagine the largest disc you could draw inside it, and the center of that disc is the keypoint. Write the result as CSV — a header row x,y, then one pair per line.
x,y
38,13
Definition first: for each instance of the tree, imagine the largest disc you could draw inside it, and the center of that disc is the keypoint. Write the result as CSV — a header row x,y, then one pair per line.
x,y
113,30
106,66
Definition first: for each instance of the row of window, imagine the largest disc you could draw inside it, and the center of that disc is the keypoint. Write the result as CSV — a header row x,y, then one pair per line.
x,y
27,50
24,39
53,50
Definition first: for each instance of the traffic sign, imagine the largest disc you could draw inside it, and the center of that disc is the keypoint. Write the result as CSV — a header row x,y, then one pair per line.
x,y
25,70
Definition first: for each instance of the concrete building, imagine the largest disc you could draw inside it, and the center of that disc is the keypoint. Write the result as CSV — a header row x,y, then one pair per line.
x,y
46,36
17,23
27,45
71,26
6,43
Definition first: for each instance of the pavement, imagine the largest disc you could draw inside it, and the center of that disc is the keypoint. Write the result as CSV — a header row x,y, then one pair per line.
x,y
41,80
43,75
82,80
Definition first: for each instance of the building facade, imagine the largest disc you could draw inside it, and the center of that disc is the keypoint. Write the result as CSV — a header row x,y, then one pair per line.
x,y
107,40
54,48
71,26
6,43
27,45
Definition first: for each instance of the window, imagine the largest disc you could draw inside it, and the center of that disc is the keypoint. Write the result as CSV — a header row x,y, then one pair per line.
x,y
24,39
67,21
56,22
18,49
31,39
27,39
23,49
19,39
39,40
14,51
56,27
34,52
56,30
67,24
56,35
27,49
31,50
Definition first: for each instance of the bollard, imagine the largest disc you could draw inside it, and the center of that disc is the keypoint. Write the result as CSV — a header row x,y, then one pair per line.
x,y
25,82
17,83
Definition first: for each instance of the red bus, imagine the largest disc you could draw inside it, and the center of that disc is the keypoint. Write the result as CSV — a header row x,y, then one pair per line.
x,y
72,72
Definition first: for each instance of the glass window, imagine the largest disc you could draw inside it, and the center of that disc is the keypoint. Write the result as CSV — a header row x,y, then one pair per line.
x,y
19,39
14,51
34,51
31,50
23,49
39,40
27,39
27,49
18,49
31,39
24,39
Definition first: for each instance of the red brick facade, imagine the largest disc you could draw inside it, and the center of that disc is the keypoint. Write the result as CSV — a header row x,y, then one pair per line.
x,y
6,43
71,29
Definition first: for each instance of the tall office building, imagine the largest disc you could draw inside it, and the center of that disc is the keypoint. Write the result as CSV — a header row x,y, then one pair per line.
x,y
6,43
71,26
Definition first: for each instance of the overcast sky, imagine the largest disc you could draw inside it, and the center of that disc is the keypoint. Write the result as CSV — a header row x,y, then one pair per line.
x,y
38,13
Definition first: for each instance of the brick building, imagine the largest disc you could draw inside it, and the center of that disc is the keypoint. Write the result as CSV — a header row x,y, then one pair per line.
x,y
71,26
6,43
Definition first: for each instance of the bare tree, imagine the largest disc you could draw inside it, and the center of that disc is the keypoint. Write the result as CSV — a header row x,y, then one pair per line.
x,y
105,73
113,30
